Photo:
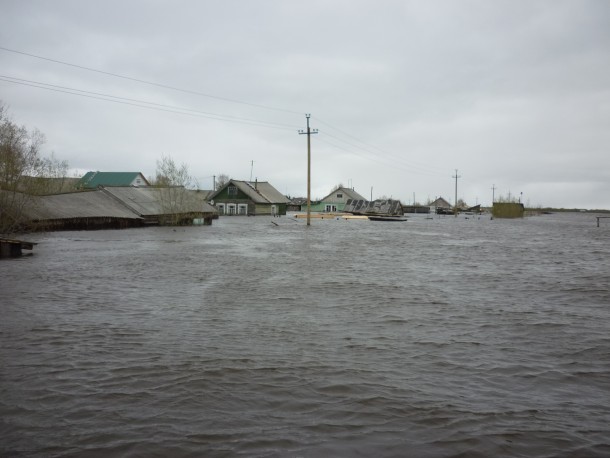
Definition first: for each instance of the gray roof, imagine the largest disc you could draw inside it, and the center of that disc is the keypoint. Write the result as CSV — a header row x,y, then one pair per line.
x,y
116,202
90,204
440,202
347,192
260,192
151,201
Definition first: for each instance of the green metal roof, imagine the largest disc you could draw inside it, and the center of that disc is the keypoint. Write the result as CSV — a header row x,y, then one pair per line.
x,y
92,180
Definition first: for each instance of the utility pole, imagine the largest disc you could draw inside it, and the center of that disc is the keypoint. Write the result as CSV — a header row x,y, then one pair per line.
x,y
214,185
308,133
251,167
493,194
456,176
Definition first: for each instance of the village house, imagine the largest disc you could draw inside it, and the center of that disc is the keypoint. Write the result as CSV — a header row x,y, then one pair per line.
x,y
335,201
91,180
440,206
117,208
249,198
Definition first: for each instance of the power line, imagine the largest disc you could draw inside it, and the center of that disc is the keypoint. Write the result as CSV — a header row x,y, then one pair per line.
x,y
420,168
393,160
150,83
142,103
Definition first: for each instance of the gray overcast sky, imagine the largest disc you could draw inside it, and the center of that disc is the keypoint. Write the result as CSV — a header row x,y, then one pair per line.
x,y
513,93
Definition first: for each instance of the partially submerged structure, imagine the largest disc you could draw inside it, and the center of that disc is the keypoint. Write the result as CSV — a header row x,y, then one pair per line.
x,y
441,206
507,210
165,205
116,208
386,208
416,208
335,201
249,198
10,248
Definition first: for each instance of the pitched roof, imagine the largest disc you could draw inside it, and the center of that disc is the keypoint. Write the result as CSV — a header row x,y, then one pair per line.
x,y
114,202
89,204
440,202
95,179
260,192
149,201
348,194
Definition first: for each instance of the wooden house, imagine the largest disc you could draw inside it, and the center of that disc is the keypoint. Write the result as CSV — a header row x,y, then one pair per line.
x,y
441,206
117,207
249,198
335,201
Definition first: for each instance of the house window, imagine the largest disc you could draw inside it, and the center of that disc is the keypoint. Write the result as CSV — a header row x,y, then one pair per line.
x,y
242,209
232,190
331,208
339,196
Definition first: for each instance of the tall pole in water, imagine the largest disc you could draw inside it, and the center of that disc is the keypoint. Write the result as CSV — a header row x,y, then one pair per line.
x,y
456,178
308,133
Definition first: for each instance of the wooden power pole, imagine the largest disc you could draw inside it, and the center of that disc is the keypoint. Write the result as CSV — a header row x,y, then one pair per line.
x,y
456,178
308,133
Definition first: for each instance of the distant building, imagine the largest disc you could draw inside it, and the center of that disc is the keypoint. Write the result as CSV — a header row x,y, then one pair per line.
x,y
335,201
249,198
296,204
441,206
92,180
440,203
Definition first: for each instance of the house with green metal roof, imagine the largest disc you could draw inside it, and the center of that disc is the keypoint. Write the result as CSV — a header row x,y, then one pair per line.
x,y
92,180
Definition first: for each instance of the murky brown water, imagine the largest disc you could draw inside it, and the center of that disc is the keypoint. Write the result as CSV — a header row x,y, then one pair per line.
x,y
434,337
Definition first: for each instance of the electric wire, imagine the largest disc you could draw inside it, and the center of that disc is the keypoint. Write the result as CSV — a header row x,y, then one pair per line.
x,y
421,168
143,103
379,156
386,162
394,161
151,83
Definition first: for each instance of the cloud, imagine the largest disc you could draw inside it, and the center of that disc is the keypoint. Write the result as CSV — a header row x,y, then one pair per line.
x,y
514,94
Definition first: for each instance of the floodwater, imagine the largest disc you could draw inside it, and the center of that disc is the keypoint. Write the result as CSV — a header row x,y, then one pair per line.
x,y
438,337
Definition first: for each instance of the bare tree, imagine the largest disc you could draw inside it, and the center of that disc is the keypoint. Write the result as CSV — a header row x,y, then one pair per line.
x,y
221,180
23,172
174,182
